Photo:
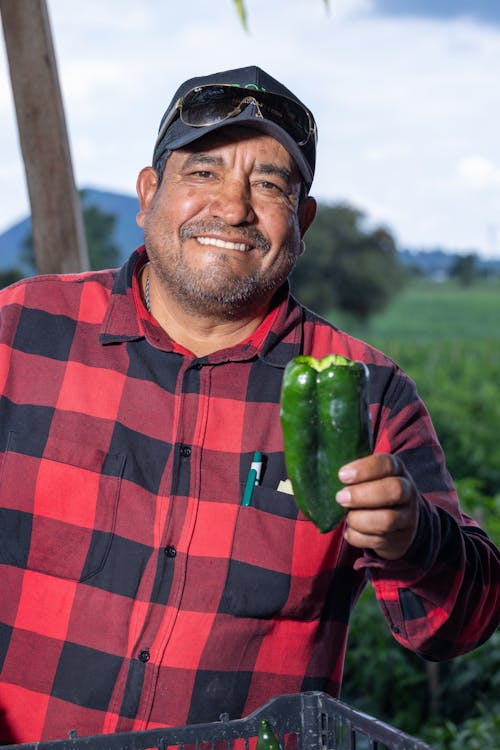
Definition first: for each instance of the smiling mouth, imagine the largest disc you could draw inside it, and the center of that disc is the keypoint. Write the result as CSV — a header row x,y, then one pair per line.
x,y
240,246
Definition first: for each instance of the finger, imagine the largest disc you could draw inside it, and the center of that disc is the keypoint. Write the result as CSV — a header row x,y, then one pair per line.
x,y
388,528
380,522
380,493
376,466
389,546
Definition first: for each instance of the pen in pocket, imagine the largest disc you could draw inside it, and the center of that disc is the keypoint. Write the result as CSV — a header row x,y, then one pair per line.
x,y
253,477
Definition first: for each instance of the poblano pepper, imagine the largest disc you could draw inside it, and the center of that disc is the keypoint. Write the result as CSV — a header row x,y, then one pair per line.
x,y
266,739
326,423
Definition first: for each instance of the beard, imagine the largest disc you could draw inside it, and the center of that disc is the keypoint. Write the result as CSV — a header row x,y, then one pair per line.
x,y
216,290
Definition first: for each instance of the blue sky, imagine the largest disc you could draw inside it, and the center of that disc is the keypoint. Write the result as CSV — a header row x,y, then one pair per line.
x,y
484,11
405,93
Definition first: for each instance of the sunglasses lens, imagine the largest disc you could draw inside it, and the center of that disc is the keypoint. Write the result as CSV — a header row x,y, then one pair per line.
x,y
291,116
208,105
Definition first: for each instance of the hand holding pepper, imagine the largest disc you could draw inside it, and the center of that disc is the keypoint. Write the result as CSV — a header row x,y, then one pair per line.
x,y
382,505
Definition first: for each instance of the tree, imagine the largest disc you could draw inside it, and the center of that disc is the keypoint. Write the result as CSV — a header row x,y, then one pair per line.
x,y
347,266
99,228
465,269
9,277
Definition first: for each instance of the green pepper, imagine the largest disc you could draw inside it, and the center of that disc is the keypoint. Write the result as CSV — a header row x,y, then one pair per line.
x,y
325,420
266,739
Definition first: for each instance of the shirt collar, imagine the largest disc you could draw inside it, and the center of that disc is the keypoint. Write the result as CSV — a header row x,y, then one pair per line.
x,y
127,320
124,319
284,340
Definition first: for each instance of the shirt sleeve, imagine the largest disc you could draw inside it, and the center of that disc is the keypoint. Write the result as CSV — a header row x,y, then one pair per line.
x,y
442,598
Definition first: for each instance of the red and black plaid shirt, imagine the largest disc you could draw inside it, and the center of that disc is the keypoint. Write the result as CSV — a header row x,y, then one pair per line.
x,y
136,590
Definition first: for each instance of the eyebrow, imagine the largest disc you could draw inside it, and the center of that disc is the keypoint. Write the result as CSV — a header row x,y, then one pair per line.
x,y
273,169
217,161
203,159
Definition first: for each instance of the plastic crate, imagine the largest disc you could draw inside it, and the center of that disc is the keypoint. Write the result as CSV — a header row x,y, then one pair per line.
x,y
302,721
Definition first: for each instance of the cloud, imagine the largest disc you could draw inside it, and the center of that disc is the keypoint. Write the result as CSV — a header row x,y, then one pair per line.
x,y
483,11
478,173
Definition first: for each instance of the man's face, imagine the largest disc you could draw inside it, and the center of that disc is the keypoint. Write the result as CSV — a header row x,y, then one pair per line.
x,y
223,229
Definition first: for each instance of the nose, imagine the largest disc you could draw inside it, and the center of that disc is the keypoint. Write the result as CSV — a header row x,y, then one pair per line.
x,y
232,203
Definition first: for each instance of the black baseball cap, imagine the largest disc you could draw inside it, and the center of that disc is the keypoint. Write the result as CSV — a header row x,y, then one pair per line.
x,y
277,120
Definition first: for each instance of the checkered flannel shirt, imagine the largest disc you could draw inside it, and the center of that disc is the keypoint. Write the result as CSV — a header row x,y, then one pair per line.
x,y
136,590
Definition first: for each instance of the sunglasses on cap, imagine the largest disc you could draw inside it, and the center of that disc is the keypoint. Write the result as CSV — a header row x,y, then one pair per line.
x,y
213,103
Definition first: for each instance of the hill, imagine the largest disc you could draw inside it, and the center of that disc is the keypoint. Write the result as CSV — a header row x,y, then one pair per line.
x,y
437,263
127,235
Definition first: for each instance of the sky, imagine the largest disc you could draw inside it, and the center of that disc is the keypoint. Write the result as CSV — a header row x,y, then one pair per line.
x,y
405,94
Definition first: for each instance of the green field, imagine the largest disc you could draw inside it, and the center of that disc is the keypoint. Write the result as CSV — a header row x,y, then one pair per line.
x,y
447,338
427,311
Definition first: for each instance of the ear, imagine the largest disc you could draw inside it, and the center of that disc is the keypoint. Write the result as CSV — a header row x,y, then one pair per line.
x,y
306,213
146,186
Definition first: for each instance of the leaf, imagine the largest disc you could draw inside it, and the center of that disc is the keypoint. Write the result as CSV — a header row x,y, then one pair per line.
x,y
240,8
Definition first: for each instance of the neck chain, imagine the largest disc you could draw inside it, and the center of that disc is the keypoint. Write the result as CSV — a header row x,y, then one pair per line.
x,y
147,299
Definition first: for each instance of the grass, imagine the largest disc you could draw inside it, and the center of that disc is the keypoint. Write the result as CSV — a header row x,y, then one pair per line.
x,y
446,338
429,311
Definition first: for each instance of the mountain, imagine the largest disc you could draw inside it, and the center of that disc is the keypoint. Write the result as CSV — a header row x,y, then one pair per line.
x,y
438,263
126,235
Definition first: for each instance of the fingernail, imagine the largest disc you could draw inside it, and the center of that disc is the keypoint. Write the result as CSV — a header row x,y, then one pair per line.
x,y
343,496
347,473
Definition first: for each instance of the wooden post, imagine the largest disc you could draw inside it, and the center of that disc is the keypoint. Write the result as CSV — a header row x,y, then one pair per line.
x,y
56,215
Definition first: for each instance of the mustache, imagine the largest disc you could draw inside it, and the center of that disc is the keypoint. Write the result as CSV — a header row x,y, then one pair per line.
x,y
249,235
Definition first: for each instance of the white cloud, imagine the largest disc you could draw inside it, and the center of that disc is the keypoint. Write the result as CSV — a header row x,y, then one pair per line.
x,y
386,152
478,173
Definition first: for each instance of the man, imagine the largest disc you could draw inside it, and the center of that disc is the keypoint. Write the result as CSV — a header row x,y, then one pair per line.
x,y
137,590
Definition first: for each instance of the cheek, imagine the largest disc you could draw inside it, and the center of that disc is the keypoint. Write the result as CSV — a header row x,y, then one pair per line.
x,y
174,210
272,217
191,202
284,231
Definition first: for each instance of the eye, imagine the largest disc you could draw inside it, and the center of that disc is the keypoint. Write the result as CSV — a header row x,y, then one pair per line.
x,y
271,186
203,174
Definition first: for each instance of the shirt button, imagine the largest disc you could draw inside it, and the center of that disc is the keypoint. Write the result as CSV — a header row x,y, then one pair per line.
x,y
170,551
144,655
185,451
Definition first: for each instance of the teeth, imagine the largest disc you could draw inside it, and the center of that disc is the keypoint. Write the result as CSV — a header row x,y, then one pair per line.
x,y
220,243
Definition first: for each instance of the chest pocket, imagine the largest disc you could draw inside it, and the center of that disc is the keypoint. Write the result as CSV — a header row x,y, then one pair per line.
x,y
280,565
58,512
